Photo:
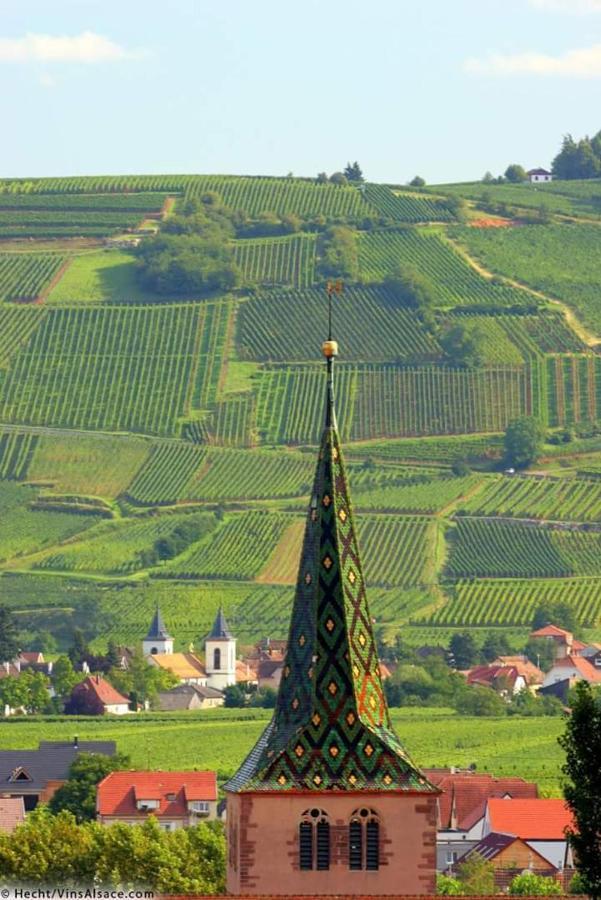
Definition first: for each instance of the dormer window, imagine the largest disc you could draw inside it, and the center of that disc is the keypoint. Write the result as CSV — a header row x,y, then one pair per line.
x,y
146,805
170,797
20,774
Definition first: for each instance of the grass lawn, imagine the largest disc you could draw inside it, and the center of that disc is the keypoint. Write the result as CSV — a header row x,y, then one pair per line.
x,y
98,276
220,739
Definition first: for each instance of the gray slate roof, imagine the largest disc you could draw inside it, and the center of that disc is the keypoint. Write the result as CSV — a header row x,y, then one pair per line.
x,y
43,765
158,630
221,629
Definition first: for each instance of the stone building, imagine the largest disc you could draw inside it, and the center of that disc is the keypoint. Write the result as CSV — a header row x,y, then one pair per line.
x,y
328,801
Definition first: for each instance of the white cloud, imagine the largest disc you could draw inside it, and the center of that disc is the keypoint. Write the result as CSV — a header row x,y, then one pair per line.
x,y
86,47
582,63
576,7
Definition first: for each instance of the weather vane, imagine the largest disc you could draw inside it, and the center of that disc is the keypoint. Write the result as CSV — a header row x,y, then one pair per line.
x,y
332,287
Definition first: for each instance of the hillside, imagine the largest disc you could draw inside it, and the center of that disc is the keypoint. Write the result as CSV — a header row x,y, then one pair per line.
x,y
129,417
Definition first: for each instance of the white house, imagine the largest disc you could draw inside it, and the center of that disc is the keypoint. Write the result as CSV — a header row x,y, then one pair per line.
x,y
572,667
535,176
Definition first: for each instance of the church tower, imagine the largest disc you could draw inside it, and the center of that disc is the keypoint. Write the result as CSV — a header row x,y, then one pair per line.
x,y
158,639
220,654
328,801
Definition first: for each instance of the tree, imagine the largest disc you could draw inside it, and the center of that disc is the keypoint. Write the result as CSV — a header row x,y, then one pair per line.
x,y
581,742
234,696
477,875
9,636
338,178
466,345
142,679
463,649
322,178
541,652
488,178
448,886
523,442
480,701
78,794
64,677
339,253
558,613
495,645
353,172
79,650
418,182
410,288
113,657
530,885
515,173
188,264
264,698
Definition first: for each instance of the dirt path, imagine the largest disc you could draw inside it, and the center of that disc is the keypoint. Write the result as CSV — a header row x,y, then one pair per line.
x,y
43,295
586,336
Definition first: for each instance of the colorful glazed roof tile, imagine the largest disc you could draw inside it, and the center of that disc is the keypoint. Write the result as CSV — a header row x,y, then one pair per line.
x,y
331,728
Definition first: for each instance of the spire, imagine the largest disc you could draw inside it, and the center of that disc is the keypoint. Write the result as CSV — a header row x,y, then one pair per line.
x,y
331,728
158,630
220,630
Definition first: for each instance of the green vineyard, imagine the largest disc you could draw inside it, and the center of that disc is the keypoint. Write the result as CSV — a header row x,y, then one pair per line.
x,y
514,602
16,327
288,326
117,367
271,261
406,207
494,548
23,276
529,497
454,282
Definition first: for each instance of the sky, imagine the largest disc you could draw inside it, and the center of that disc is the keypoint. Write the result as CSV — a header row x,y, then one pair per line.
x,y
447,89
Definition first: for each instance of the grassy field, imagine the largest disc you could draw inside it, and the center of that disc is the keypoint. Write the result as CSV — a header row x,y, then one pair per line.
x,y
98,276
220,739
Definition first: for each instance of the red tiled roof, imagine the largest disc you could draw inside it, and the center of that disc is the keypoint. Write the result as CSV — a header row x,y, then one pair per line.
x,y
543,820
7,669
32,656
531,673
550,631
582,666
465,794
118,793
489,674
105,692
12,812
578,645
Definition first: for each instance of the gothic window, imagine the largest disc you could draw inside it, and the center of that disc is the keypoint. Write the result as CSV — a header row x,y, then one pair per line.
x,y
364,840
216,658
314,840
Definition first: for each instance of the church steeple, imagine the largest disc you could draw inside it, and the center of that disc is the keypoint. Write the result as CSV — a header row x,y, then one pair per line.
x,y
331,728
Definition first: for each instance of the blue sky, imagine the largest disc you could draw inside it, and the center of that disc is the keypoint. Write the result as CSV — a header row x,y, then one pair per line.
x,y
444,88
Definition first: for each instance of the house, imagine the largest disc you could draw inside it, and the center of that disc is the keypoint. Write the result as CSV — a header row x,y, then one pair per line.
x,y
247,671
577,667
95,696
189,696
12,813
559,689
461,808
537,175
532,675
540,823
270,673
510,856
34,775
506,680
176,799
186,667
564,641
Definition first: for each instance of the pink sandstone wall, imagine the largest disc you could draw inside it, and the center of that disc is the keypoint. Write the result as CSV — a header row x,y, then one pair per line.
x,y
263,844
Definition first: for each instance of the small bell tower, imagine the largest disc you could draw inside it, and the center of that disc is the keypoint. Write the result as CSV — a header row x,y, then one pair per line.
x,y
158,639
220,654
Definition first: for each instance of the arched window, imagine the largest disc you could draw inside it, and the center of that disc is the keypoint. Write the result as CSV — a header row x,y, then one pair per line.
x,y
314,840
216,658
364,840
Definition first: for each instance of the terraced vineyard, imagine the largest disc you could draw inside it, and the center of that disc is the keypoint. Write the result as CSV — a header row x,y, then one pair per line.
x,y
117,367
494,548
454,282
237,551
406,207
288,326
514,602
16,327
285,260
567,499
23,276
211,395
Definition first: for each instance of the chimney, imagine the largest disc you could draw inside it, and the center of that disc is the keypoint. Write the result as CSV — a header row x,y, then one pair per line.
x,y
76,743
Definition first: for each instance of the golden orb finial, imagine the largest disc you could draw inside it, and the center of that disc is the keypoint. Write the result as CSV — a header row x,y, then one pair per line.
x,y
330,349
